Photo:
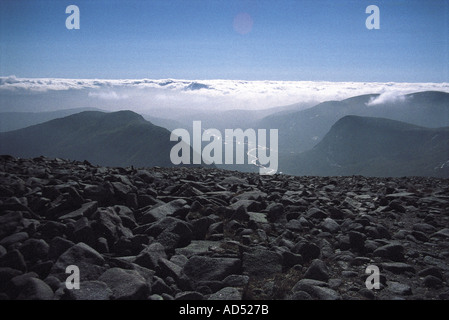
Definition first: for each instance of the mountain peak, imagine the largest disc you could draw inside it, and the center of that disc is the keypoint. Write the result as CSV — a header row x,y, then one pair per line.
x,y
123,116
97,121
119,138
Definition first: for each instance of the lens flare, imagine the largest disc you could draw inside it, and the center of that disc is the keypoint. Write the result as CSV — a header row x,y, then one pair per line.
x,y
243,23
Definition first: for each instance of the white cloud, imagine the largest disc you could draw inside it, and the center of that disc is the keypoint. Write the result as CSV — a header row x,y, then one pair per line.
x,y
8,80
387,97
145,94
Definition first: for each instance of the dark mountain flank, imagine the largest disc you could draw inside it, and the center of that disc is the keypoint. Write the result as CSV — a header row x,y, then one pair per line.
x,y
121,138
375,147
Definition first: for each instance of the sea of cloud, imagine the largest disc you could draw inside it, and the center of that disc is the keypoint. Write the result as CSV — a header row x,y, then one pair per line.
x,y
144,95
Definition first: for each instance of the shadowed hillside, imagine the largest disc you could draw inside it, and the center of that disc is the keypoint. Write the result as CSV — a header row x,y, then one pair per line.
x,y
375,147
121,138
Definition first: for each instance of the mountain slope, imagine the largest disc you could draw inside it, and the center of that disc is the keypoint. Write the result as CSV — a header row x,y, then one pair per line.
x,y
17,120
375,147
121,138
300,131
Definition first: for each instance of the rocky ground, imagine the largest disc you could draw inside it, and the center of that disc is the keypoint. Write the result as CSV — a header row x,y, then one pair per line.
x,y
198,233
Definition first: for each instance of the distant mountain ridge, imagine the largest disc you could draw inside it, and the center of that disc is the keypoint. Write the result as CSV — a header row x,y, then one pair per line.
x,y
367,135
302,130
122,138
375,147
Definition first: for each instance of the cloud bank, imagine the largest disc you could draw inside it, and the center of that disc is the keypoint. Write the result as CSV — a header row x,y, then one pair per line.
x,y
144,95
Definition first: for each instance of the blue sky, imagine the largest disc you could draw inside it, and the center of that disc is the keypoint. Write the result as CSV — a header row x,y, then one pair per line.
x,y
196,39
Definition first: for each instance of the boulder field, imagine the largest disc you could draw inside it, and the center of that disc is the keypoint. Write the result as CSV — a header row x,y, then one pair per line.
x,y
204,233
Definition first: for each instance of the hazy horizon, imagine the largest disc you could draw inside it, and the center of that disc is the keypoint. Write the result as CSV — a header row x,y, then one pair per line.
x,y
157,95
